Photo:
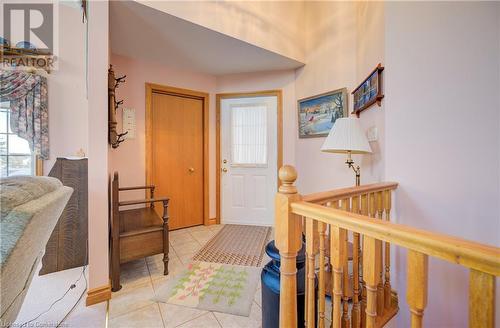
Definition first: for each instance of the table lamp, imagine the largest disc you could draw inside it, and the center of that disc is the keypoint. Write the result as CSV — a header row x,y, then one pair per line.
x,y
347,137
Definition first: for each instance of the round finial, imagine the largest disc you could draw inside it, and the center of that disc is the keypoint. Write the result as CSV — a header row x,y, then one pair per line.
x,y
287,175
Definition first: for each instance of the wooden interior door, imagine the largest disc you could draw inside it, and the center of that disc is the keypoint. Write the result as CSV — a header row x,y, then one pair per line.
x,y
177,159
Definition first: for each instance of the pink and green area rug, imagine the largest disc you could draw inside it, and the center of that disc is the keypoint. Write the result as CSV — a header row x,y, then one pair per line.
x,y
213,287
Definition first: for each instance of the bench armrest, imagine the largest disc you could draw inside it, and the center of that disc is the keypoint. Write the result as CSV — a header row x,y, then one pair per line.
x,y
136,188
143,201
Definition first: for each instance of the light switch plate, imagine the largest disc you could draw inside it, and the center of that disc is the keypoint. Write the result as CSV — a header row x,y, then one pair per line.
x,y
128,121
372,134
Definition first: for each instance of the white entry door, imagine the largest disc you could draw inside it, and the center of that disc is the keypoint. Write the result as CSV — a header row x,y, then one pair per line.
x,y
248,159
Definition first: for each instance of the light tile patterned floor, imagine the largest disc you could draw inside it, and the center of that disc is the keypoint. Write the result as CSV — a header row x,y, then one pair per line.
x,y
132,305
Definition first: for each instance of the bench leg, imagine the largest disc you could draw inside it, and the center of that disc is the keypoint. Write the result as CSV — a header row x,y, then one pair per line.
x,y
115,266
165,250
165,247
165,264
166,244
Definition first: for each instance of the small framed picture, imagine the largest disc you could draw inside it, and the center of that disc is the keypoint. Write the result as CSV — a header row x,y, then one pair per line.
x,y
317,114
369,91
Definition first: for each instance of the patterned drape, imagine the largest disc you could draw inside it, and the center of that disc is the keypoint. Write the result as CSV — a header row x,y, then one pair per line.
x,y
29,118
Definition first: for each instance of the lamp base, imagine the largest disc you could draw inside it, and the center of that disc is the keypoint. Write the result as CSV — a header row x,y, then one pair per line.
x,y
356,169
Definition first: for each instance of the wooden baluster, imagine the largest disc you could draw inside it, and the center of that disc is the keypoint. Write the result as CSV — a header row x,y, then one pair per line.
x,y
373,209
288,238
346,206
310,300
336,253
380,288
371,206
322,282
416,294
481,299
329,274
364,211
371,277
304,222
387,257
332,204
355,314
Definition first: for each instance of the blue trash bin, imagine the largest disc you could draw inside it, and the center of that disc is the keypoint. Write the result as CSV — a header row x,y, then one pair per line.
x,y
270,278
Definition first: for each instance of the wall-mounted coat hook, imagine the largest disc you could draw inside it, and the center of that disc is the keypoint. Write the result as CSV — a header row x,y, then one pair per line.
x,y
114,137
119,80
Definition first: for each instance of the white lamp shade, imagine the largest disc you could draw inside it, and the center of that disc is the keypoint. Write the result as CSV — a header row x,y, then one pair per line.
x,y
345,136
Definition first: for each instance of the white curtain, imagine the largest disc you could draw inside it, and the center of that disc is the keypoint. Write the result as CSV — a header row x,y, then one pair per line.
x,y
249,135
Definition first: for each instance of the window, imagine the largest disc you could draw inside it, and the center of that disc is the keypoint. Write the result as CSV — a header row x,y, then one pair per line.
x,y
16,157
249,135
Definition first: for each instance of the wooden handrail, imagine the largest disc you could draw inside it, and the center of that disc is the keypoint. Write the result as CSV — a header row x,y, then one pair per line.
x,y
456,250
338,194
362,215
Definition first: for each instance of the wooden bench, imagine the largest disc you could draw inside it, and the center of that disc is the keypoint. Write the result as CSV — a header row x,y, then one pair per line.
x,y
136,233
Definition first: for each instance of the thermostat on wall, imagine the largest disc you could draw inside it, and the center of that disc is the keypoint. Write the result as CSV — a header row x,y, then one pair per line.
x,y
372,134
128,122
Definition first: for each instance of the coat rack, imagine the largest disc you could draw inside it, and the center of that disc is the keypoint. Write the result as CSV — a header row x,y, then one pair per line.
x,y
115,138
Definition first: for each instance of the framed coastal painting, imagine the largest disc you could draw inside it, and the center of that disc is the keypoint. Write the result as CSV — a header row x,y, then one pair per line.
x,y
369,91
317,114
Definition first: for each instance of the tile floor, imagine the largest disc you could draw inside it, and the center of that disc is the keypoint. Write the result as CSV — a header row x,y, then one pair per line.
x,y
132,305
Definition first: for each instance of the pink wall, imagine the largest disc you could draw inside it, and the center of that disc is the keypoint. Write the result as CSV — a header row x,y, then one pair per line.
x,y
68,105
370,51
129,159
330,64
98,143
79,121
344,43
443,136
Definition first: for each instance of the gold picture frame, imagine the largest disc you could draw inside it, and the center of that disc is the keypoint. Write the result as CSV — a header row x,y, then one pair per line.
x,y
317,114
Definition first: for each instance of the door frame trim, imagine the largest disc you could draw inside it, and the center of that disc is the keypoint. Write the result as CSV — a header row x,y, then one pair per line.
x,y
219,97
168,90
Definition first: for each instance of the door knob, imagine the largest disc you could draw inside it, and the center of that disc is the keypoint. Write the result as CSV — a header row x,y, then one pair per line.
x,y
224,170
191,169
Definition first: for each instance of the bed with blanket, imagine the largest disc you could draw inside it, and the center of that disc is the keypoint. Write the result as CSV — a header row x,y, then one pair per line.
x,y
30,208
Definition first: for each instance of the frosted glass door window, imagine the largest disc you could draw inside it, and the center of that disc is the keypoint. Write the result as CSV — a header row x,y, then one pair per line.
x,y
249,135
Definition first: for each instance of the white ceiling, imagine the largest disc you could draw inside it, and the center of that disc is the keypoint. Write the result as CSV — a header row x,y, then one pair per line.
x,y
145,33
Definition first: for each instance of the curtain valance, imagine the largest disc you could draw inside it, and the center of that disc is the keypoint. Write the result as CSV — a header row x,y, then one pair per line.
x,y
29,118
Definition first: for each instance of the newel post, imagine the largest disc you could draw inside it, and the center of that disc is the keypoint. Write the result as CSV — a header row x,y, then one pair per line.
x,y
288,238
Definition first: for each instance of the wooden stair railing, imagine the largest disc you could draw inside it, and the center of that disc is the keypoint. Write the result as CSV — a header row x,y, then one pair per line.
x,y
364,211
